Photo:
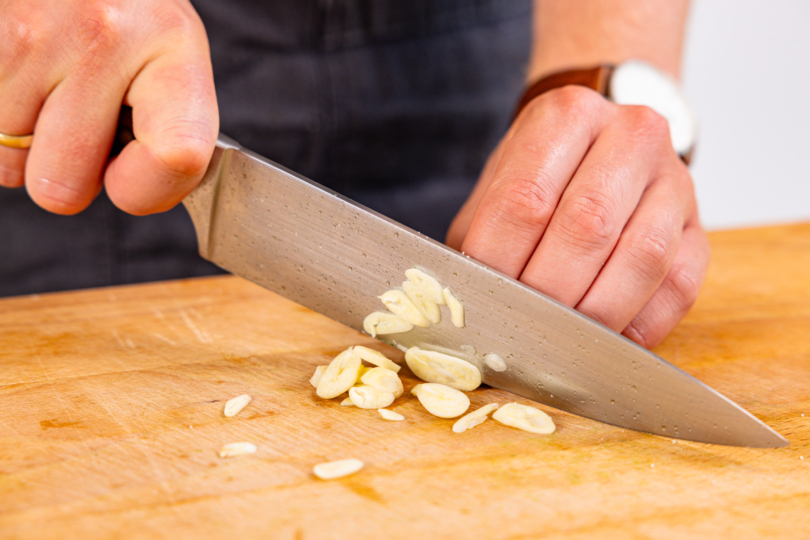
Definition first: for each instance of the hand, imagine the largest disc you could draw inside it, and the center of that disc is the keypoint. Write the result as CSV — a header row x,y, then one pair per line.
x,y
66,67
587,202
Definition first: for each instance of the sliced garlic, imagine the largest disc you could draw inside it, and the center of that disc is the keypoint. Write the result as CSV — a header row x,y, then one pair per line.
x,y
363,369
316,377
495,362
367,397
337,469
375,357
398,303
383,379
347,402
456,308
525,418
429,284
436,367
237,449
469,421
391,415
339,375
233,406
441,400
423,301
385,323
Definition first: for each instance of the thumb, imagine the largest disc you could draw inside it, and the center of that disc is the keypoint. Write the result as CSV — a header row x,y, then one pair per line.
x,y
175,122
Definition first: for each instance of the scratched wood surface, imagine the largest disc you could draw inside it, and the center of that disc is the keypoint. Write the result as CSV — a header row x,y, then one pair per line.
x,y
111,417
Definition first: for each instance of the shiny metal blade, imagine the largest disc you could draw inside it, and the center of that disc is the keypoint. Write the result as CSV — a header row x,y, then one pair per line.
x,y
311,245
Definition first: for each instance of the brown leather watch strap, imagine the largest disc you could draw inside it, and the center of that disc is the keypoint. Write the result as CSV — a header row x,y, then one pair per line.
x,y
596,78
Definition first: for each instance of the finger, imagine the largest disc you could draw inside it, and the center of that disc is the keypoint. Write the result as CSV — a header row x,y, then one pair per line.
x,y
677,293
21,102
551,137
74,134
175,121
643,255
597,204
461,223
12,166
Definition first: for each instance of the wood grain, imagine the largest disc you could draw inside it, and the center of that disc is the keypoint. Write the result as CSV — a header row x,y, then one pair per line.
x,y
111,418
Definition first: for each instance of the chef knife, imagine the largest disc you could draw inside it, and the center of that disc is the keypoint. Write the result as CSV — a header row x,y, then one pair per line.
x,y
303,241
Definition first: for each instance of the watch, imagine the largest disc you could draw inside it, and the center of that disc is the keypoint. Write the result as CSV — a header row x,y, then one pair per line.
x,y
634,82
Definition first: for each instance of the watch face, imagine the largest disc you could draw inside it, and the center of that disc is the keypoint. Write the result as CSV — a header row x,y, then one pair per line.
x,y
638,83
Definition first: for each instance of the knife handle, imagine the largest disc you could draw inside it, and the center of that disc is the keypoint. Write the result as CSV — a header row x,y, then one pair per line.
x,y
125,134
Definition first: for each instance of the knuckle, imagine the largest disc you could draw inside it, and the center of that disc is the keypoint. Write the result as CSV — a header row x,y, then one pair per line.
x,y
525,202
574,97
648,123
652,253
101,27
171,18
684,285
186,149
572,101
639,331
19,38
588,222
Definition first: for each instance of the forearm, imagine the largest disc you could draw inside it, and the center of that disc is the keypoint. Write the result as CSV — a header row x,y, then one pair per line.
x,y
582,33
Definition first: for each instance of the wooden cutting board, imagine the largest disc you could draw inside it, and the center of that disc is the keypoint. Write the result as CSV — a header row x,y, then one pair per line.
x,y
111,418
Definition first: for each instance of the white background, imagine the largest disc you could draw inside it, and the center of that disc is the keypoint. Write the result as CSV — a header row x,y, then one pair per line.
x,y
747,73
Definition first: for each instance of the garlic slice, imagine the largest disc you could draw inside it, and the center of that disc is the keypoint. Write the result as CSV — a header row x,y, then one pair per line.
x,y
495,362
423,300
429,284
383,379
337,469
367,397
237,449
525,418
456,308
478,416
441,400
385,323
375,357
316,377
391,415
436,367
347,402
339,375
233,406
398,303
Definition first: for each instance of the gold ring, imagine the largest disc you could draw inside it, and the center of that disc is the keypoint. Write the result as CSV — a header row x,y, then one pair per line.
x,y
16,141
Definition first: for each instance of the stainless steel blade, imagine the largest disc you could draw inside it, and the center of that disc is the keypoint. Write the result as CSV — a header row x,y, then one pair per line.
x,y
307,243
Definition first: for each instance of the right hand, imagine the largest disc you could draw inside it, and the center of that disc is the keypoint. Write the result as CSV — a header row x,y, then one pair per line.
x,y
67,66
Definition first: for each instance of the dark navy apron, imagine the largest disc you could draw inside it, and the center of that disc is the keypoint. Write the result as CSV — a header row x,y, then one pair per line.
x,y
394,103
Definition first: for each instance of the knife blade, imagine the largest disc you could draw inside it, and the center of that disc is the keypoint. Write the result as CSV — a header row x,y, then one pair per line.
x,y
303,241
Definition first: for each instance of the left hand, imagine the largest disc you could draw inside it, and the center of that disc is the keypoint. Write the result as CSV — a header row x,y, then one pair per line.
x,y
587,202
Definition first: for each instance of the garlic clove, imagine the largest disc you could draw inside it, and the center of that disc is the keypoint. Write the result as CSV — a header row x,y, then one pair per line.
x,y
385,323
478,416
436,367
441,400
399,304
525,418
340,375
